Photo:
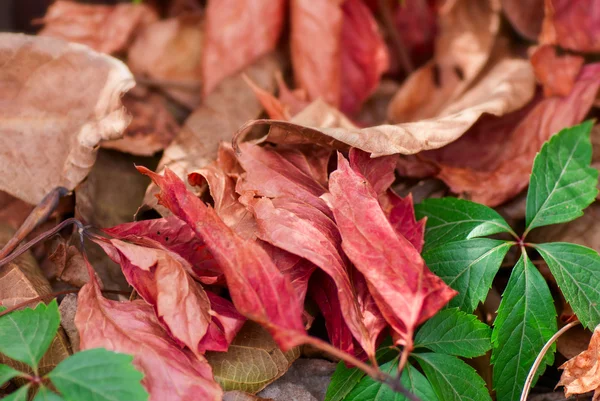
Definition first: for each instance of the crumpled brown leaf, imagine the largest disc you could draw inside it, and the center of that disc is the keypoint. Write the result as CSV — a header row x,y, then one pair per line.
x,y
61,135
582,373
170,52
556,73
107,29
573,25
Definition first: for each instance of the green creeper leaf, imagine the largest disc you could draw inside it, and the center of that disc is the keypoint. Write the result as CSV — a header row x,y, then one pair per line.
x,y
451,378
19,395
412,380
526,320
44,394
7,373
86,375
562,182
468,266
454,332
577,273
27,334
452,219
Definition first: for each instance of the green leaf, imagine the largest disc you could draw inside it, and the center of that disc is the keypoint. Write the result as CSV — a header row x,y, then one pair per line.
x,y
7,373
44,394
86,375
468,266
451,378
454,332
526,320
344,379
19,395
562,182
577,273
452,219
412,380
27,334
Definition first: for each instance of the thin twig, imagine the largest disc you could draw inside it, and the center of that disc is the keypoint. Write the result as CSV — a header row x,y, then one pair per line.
x,y
540,357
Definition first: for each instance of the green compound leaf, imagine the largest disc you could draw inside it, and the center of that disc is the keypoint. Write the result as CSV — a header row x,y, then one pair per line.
x,y
7,373
412,380
454,332
27,334
452,219
526,320
577,273
44,394
19,395
98,375
451,378
469,267
562,182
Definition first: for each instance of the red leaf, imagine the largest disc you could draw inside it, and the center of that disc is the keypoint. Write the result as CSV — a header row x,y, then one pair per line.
x,y
247,267
557,74
226,322
573,25
237,33
378,171
170,373
416,22
401,215
177,237
406,292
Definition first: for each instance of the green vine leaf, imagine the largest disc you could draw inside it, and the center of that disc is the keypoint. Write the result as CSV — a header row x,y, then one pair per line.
x,y
526,320
577,273
562,182
7,373
45,394
20,395
454,332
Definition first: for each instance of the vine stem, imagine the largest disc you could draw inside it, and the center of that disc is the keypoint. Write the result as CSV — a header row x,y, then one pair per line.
x,y
372,371
538,360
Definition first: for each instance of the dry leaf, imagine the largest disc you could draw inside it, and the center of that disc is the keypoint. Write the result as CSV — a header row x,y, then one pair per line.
x,y
252,362
68,309
525,16
416,22
556,73
238,32
85,88
107,29
13,211
241,396
573,25
581,373
169,52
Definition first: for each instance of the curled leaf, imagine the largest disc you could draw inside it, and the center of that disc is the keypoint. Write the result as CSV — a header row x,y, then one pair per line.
x,y
580,373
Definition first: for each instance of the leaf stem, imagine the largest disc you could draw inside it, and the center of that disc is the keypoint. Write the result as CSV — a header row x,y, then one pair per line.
x,y
540,357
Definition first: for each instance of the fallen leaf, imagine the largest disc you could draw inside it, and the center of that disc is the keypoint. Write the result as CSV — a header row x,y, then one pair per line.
x,y
572,25
416,23
226,323
152,126
580,374
68,309
232,24
525,16
13,211
401,215
556,73
241,396
107,29
252,361
169,52
406,291
84,85
379,171
244,263
132,328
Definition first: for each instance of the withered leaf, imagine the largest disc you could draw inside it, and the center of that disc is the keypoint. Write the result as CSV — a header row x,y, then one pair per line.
x,y
557,74
526,16
580,373
571,25
85,88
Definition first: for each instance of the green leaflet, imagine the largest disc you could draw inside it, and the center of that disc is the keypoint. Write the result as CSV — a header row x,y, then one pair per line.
x,y
562,182
452,219
412,380
468,266
44,394
85,375
27,334
454,332
451,378
526,320
577,273
19,395
7,373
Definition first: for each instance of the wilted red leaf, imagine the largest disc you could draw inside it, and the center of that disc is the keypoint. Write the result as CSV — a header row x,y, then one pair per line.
x,y
573,25
178,237
582,373
238,32
107,29
526,16
416,22
378,171
406,292
226,323
401,215
556,73
170,373
246,266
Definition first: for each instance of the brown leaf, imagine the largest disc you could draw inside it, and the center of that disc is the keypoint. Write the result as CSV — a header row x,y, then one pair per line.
x,y
85,88
252,361
152,126
234,38
68,309
13,211
170,52
107,29
557,74
580,373
572,25
526,16
241,396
